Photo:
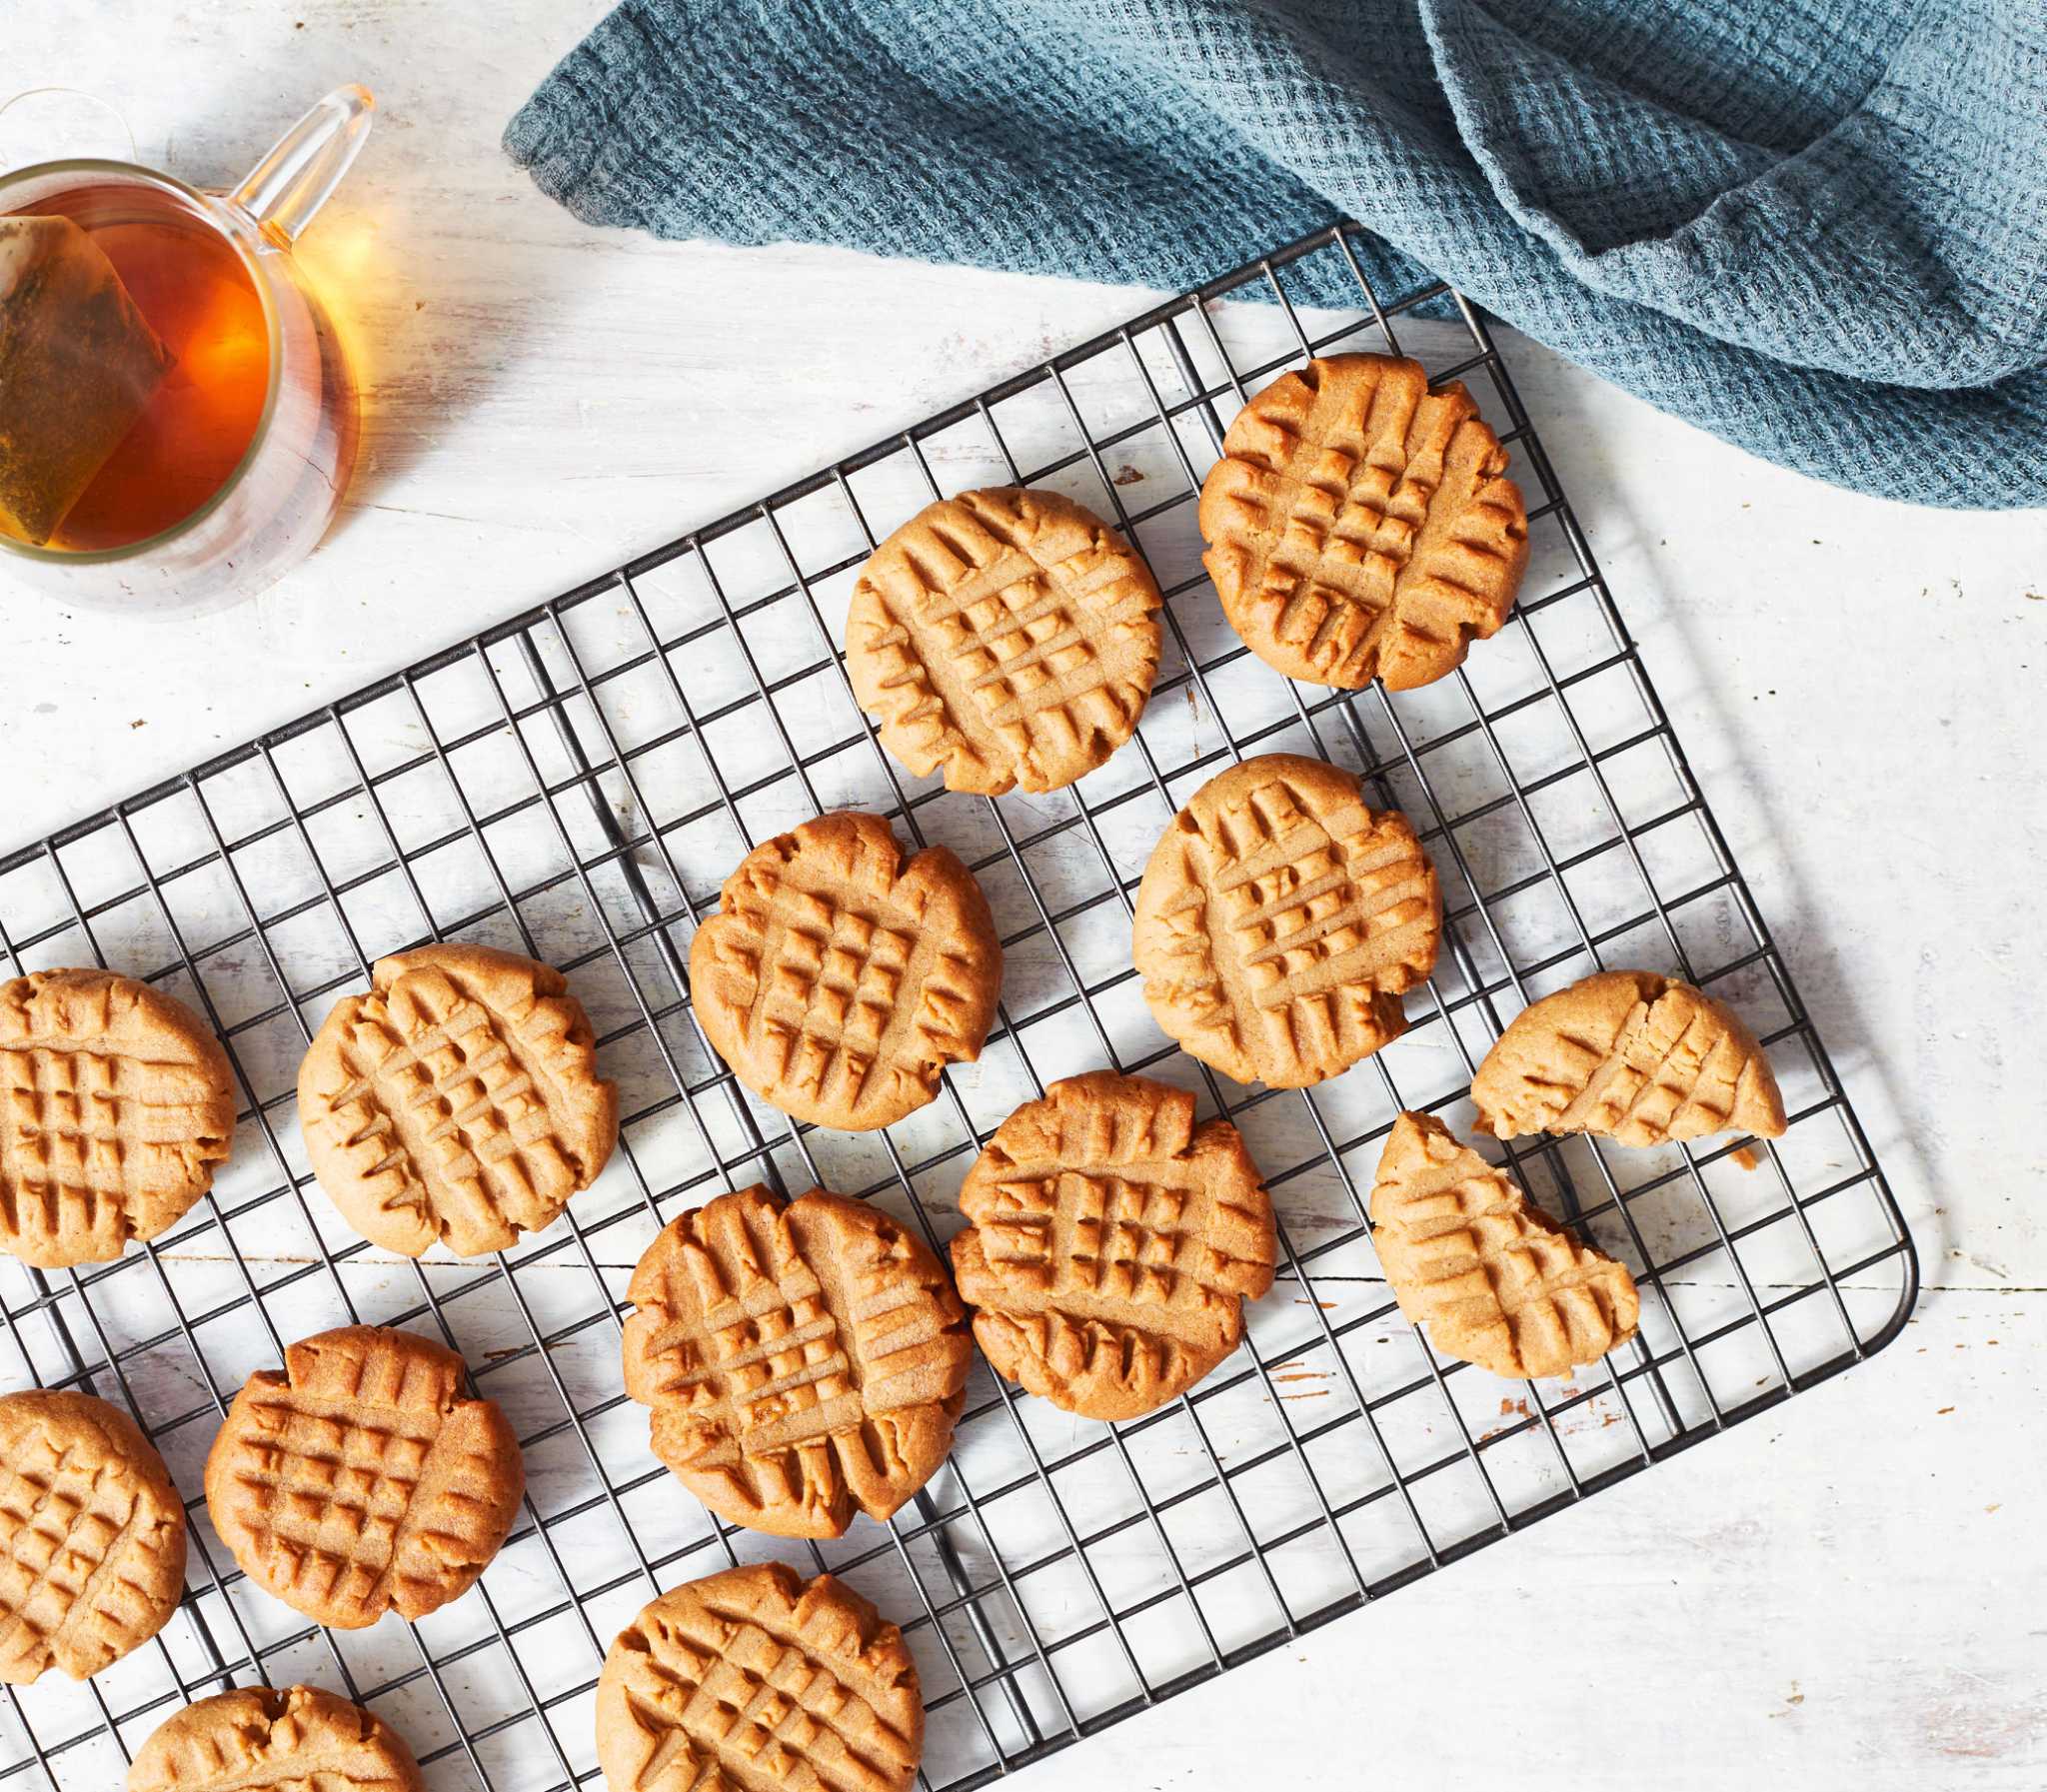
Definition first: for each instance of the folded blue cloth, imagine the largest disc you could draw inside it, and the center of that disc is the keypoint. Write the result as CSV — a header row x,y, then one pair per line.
x,y
1817,227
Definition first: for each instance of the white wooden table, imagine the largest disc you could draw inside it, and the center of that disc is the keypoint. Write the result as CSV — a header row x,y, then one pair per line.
x,y
1845,1594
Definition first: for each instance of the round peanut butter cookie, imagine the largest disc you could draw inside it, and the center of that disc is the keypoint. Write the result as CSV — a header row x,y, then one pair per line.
x,y
1279,920
92,1536
755,1680
116,1104
838,978
804,1361
1630,1055
1006,636
361,1479
457,1102
1112,1245
257,1739
1490,1277
1360,526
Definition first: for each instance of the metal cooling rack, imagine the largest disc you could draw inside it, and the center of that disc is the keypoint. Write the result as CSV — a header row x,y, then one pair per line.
x,y
577,782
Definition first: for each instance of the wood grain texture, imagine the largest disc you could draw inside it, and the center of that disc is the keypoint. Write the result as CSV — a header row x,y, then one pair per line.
x,y
1852,1571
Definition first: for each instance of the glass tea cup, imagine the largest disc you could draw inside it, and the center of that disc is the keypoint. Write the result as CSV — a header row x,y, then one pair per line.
x,y
279,373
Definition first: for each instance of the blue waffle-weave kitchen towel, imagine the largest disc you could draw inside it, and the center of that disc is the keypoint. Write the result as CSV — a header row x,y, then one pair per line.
x,y
1817,227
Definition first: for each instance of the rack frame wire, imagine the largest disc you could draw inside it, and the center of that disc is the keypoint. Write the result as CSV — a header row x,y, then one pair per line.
x,y
1055,1577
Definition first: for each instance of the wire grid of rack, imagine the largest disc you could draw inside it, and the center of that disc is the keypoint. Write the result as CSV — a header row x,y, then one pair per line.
x,y
577,782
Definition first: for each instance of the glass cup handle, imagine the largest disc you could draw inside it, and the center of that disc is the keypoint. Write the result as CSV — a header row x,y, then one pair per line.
x,y
283,191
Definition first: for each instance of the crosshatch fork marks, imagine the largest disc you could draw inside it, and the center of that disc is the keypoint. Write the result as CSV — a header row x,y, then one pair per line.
x,y
259,1739
361,1479
1006,637
457,1102
92,1143
1360,525
92,1536
115,1107
753,1681
1279,920
1112,1245
837,979
1637,1056
803,1362
1493,1280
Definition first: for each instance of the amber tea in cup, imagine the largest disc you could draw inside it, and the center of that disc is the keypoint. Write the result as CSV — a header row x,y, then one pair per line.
x,y
178,421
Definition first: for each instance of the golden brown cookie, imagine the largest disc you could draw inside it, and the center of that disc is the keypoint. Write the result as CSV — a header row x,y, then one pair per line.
x,y
1632,1055
457,1102
1494,1280
1360,525
755,1680
116,1103
1279,920
362,1478
256,1739
837,979
92,1536
804,1361
1111,1246
1009,635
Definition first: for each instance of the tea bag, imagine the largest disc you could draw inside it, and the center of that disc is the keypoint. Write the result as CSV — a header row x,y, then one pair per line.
x,y
78,363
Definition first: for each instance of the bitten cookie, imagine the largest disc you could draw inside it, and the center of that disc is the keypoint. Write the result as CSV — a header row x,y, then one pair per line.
x,y
1490,1277
257,1737
457,1102
1112,1245
1632,1055
116,1103
755,1680
1279,920
837,979
804,1361
1360,525
92,1536
1006,636
361,1479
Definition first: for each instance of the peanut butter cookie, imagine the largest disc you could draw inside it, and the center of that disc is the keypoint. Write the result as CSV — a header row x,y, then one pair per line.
x,y
1360,525
1279,920
457,1102
839,978
755,1680
1114,1243
1632,1055
116,1106
362,1478
1490,1277
804,1361
1006,636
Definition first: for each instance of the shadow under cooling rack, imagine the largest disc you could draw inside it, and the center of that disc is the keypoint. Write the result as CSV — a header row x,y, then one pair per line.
x,y
577,782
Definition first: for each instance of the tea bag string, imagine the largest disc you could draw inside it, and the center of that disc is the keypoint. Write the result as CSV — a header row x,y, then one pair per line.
x,y
9,162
